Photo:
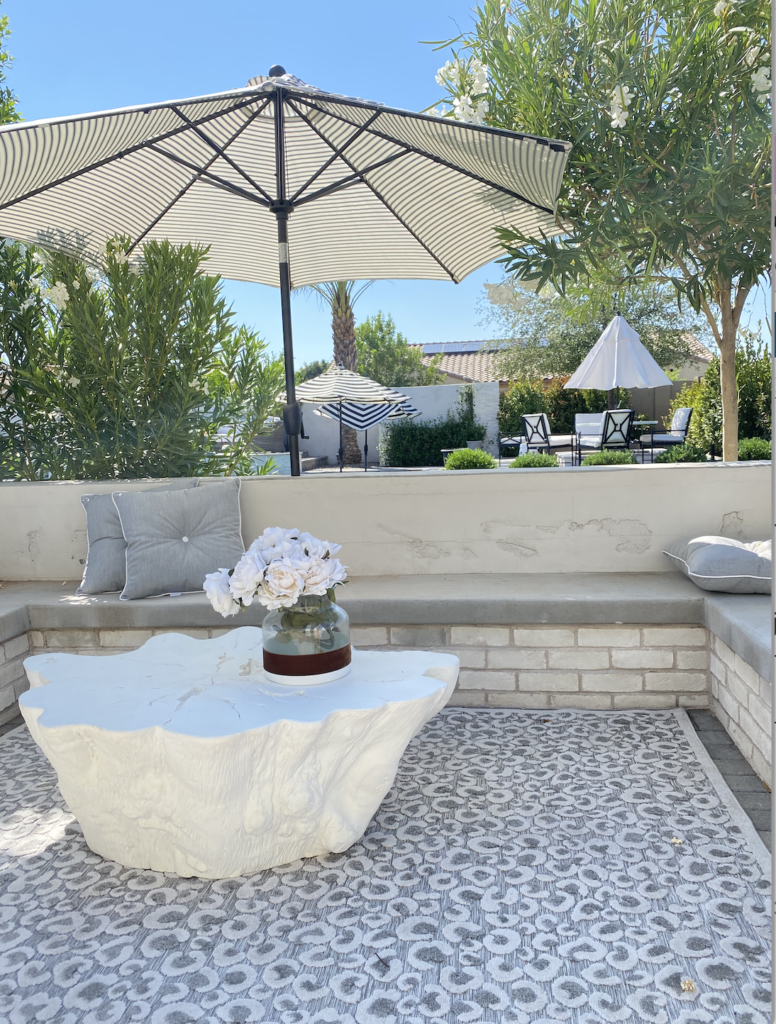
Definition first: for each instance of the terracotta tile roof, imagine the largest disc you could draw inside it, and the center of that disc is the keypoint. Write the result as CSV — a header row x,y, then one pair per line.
x,y
468,360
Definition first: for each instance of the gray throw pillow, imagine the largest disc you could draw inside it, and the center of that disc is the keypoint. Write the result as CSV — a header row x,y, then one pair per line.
x,y
105,571
175,538
723,564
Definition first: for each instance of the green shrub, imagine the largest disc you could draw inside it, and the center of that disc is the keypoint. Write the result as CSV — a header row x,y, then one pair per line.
x,y
409,443
752,449
753,376
682,453
534,460
470,458
609,458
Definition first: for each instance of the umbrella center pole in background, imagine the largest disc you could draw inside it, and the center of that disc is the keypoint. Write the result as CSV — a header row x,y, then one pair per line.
x,y
281,207
366,447
341,454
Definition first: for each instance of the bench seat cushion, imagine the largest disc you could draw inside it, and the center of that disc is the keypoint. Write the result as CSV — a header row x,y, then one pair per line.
x,y
723,564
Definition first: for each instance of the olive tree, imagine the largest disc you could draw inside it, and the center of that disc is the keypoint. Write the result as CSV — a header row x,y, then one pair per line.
x,y
667,105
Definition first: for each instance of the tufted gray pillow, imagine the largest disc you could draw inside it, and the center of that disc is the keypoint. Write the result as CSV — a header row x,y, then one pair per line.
x,y
175,538
720,563
105,571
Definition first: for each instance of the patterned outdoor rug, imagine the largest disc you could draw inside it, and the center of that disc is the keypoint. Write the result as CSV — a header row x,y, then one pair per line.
x,y
530,867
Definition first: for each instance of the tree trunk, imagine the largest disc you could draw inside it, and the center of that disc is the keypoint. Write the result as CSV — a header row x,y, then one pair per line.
x,y
728,385
343,331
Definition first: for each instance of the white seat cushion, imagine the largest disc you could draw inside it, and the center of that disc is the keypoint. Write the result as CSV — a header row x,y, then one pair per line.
x,y
661,439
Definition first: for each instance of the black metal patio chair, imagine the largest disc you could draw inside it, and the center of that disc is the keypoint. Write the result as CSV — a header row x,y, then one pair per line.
x,y
614,436
538,437
676,434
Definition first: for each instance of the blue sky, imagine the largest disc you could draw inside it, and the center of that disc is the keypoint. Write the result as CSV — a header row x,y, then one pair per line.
x,y
96,54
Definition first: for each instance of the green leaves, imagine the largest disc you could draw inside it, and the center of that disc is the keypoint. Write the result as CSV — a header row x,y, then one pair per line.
x,y
384,355
135,375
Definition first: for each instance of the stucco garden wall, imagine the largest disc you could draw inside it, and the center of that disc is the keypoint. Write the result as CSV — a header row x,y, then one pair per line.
x,y
602,519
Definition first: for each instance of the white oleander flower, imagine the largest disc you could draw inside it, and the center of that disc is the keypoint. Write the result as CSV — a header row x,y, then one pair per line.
x,y
479,75
93,274
74,381
135,269
119,256
752,55
57,294
761,80
247,577
29,301
480,112
619,118
216,586
720,8
76,284
282,586
462,108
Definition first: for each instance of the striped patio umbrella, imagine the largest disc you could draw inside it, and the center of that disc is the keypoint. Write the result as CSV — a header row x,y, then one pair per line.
x,y
287,184
340,385
362,417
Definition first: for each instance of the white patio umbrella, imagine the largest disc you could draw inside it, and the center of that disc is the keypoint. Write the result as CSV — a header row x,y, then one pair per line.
x,y
287,184
618,360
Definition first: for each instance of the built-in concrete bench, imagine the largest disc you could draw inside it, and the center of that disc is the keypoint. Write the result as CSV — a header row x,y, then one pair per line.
x,y
591,640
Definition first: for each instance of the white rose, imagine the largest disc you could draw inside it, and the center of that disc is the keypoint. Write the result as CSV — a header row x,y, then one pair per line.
x,y
283,583
216,586
321,574
318,548
247,577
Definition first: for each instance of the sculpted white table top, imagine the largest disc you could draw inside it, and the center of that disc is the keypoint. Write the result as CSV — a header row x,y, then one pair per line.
x,y
182,757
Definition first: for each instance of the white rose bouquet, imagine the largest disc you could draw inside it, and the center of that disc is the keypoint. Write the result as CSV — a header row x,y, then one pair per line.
x,y
277,569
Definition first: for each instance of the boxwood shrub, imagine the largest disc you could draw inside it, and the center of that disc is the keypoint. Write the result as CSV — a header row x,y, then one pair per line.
x,y
609,458
682,453
407,443
752,449
470,458
534,460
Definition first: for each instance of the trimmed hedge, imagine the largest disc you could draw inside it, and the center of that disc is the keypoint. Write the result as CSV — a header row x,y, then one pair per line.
x,y
470,458
682,453
407,443
534,460
609,458
752,449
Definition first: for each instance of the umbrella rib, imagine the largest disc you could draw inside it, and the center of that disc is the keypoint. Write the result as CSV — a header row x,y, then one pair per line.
x,y
222,151
197,177
212,179
438,160
380,197
357,178
145,144
333,157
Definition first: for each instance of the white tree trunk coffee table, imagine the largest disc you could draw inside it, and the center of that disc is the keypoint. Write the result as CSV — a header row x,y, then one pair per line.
x,y
182,757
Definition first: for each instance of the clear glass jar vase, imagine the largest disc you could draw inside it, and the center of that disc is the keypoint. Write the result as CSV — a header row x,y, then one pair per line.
x,y
306,644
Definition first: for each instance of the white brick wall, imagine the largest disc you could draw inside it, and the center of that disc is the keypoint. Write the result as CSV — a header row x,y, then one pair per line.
x,y
741,700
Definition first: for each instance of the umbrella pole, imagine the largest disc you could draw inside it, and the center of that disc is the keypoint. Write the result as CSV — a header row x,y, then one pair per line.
x,y
281,208
341,450
366,449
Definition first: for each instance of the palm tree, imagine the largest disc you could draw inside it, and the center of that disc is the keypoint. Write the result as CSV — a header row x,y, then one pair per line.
x,y
341,296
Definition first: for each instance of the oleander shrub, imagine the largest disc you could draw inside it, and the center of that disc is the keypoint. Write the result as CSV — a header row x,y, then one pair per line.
x,y
609,458
534,460
682,453
470,458
752,449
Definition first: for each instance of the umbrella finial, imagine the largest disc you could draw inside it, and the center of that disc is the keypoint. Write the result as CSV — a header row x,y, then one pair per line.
x,y
277,71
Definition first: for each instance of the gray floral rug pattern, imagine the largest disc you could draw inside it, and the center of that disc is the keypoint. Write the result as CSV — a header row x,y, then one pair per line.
x,y
526,868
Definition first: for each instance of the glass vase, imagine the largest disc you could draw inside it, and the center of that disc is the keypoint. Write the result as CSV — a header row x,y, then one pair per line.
x,y
306,644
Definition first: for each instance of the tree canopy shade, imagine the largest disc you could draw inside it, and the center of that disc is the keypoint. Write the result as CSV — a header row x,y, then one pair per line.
x,y
668,108
385,355
551,333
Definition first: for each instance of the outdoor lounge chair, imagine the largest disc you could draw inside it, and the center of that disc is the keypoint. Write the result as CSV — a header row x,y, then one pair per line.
x,y
676,434
614,435
539,439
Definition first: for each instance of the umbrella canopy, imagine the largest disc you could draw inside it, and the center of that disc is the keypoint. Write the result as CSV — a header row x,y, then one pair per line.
x,y
362,417
340,385
286,184
373,192
618,360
